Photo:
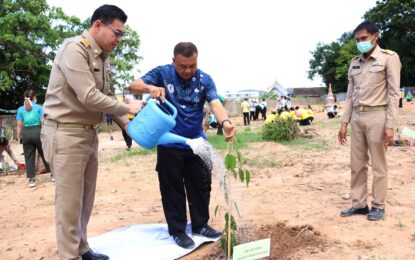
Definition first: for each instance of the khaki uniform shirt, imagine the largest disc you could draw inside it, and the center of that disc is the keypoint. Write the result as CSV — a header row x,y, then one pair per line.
x,y
374,81
78,91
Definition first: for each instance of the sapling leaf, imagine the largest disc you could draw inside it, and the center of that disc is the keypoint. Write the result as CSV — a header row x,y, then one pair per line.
x,y
216,209
230,162
241,175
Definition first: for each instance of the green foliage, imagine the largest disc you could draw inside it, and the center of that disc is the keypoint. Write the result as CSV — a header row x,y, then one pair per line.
x,y
396,21
123,60
243,139
281,130
269,96
30,33
331,62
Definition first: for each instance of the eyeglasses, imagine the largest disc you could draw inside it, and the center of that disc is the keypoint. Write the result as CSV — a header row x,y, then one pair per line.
x,y
118,33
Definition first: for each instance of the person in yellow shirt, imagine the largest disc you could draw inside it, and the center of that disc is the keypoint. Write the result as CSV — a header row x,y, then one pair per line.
x,y
271,118
285,114
303,115
245,111
310,113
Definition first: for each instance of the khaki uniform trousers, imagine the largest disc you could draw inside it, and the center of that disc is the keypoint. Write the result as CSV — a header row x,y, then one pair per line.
x,y
73,157
368,130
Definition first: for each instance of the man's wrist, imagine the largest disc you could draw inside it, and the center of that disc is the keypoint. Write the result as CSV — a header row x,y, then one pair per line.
x,y
226,120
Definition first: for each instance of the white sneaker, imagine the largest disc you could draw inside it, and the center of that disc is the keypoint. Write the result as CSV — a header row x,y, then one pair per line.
x,y
32,183
52,178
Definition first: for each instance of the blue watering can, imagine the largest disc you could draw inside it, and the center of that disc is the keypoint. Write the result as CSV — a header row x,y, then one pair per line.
x,y
152,125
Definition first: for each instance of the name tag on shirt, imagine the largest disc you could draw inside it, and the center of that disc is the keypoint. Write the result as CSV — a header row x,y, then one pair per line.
x,y
356,67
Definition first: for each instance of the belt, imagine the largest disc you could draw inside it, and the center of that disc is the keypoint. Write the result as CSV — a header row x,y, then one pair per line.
x,y
368,109
69,125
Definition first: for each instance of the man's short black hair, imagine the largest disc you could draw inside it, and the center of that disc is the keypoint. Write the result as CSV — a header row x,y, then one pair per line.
x,y
368,26
108,13
186,49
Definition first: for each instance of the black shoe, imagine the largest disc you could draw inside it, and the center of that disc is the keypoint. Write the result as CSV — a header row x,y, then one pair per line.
x,y
90,255
183,240
354,211
376,214
208,232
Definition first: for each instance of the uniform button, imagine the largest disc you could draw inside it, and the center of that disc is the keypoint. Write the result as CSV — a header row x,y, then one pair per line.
x,y
96,51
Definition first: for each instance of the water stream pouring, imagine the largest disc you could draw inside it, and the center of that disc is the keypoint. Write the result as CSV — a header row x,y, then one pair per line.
x,y
152,125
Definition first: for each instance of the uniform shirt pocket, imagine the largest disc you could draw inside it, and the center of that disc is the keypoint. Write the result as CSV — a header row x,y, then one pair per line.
x,y
376,74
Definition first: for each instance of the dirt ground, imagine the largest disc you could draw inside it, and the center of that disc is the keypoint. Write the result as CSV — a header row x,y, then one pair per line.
x,y
295,196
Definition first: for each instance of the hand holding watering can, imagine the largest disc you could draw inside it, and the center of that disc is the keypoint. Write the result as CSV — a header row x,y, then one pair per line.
x,y
152,125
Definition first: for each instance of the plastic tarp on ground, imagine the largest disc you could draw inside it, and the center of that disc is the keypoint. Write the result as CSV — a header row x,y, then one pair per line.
x,y
147,241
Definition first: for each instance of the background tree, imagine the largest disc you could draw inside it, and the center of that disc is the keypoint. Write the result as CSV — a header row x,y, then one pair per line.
x,y
396,21
123,60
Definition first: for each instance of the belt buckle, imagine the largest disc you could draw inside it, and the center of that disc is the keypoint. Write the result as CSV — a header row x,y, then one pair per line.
x,y
361,109
94,126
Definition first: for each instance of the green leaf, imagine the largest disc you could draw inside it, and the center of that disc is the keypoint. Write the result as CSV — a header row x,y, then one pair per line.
x,y
230,162
216,210
248,177
241,175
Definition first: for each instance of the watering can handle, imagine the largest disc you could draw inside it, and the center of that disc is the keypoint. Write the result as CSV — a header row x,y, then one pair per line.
x,y
170,105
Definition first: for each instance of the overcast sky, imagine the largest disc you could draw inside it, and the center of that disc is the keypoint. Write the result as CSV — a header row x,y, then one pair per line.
x,y
242,44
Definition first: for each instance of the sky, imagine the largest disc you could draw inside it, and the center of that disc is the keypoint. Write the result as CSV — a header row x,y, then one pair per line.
x,y
242,44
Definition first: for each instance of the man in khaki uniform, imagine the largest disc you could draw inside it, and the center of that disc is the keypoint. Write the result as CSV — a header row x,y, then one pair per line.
x,y
76,98
371,106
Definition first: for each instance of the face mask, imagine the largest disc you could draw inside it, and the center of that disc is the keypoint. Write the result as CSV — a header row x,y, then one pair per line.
x,y
365,46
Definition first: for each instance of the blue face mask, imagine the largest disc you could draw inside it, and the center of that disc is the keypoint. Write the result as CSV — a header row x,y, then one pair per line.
x,y
365,46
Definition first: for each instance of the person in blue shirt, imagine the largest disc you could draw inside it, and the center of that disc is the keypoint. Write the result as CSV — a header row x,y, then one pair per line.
x,y
180,171
29,120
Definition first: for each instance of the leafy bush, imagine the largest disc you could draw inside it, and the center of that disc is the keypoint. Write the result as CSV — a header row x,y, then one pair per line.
x,y
280,130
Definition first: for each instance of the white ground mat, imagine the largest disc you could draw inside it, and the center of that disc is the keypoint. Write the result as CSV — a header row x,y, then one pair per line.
x,y
147,241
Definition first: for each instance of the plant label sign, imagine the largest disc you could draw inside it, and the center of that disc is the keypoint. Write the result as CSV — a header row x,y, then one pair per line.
x,y
252,250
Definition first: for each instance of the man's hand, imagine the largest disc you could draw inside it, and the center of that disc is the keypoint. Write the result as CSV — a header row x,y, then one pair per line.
x,y
342,134
135,106
388,136
229,130
156,92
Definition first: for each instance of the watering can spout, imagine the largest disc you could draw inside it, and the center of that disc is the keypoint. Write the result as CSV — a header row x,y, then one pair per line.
x,y
169,138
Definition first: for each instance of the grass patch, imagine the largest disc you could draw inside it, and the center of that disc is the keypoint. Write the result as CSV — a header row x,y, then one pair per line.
x,y
243,138
261,164
133,152
307,144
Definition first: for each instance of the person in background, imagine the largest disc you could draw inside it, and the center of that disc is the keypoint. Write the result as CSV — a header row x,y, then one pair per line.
x,y
310,112
252,106
288,103
285,114
29,120
245,111
5,147
332,112
401,96
182,174
409,97
127,138
304,116
271,118
264,109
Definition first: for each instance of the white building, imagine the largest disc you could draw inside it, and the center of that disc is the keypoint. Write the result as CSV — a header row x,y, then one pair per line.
x,y
242,94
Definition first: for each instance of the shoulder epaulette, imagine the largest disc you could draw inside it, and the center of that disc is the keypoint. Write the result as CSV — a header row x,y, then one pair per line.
x,y
355,57
85,42
388,52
